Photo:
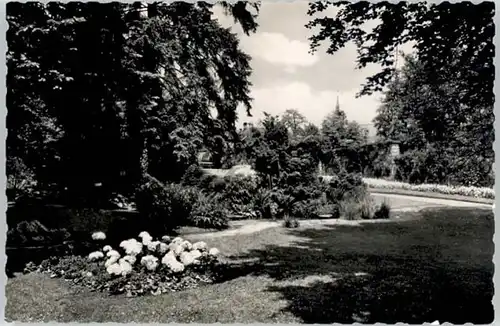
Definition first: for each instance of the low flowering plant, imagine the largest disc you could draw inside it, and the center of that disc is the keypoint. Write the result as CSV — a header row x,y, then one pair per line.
x,y
476,192
172,266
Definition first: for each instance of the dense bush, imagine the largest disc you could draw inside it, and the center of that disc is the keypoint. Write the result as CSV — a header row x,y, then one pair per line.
x,y
345,185
435,165
34,233
383,211
165,207
422,166
263,204
436,188
193,176
238,194
357,208
307,209
329,209
291,223
20,179
208,212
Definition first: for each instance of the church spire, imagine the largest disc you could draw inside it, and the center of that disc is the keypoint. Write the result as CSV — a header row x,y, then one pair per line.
x,y
337,106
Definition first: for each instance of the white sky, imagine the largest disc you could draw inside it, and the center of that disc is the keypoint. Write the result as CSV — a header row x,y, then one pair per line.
x,y
286,76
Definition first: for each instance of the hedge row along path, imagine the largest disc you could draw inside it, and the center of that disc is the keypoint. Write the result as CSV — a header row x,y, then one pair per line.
x,y
398,203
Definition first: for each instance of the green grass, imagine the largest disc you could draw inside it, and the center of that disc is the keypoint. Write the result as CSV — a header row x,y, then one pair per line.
x,y
436,265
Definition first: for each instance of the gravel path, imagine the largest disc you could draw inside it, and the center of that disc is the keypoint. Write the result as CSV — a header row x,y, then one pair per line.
x,y
398,203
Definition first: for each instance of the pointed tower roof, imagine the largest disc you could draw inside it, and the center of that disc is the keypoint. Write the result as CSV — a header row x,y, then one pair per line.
x,y
337,106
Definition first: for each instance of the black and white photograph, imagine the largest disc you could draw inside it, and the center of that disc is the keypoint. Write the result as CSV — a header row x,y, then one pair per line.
x,y
285,162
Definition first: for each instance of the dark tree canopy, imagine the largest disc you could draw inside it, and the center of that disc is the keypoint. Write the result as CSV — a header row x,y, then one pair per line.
x,y
95,87
452,142
341,141
443,32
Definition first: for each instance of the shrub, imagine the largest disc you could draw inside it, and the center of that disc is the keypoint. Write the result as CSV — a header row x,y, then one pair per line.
x,y
179,266
307,209
383,211
238,193
263,204
20,179
328,209
355,208
349,210
366,208
205,181
165,206
213,183
34,233
209,213
193,176
345,185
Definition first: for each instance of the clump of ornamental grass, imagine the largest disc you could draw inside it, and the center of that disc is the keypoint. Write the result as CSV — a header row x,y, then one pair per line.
x,y
383,211
291,223
138,268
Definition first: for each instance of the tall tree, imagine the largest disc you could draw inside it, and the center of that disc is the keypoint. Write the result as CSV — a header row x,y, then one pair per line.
x,y
341,140
441,33
294,120
449,139
287,167
110,81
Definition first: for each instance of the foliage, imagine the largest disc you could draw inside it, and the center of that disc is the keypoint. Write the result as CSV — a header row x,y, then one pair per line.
x,y
440,33
95,90
238,193
349,196
345,185
286,166
426,166
448,84
139,281
165,207
376,160
20,179
306,209
193,175
294,121
33,233
210,213
356,208
383,211
458,151
291,223
263,204
342,141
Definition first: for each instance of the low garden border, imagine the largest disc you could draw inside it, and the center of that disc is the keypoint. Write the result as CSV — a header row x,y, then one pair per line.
x,y
434,195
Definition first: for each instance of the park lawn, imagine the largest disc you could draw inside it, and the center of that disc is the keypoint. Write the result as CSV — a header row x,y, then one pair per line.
x,y
436,265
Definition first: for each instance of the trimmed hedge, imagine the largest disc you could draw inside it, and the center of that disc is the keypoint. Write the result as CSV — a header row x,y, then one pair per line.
x,y
477,192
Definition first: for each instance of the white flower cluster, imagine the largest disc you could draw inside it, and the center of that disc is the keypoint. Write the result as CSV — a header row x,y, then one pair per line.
x,y
174,254
98,236
477,192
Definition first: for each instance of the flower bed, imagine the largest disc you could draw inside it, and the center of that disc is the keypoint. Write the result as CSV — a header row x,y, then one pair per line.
x,y
138,267
476,192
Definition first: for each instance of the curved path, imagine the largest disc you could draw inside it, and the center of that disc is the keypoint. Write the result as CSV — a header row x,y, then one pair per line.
x,y
398,203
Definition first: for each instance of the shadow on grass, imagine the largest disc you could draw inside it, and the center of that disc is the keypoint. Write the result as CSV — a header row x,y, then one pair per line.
x,y
436,268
